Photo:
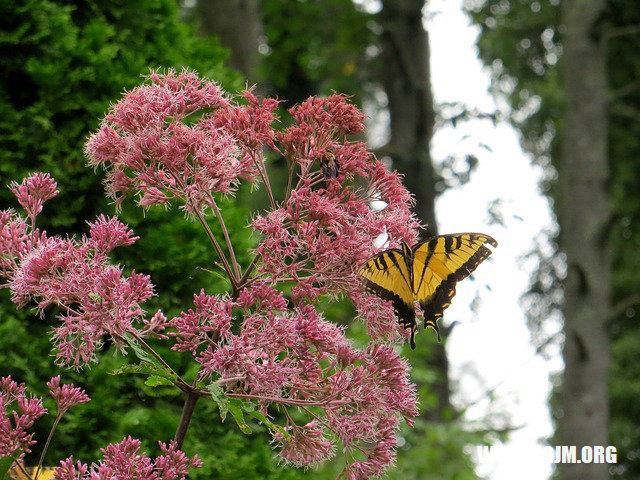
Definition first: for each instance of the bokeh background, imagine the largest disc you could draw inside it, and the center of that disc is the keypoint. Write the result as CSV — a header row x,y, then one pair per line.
x,y
516,118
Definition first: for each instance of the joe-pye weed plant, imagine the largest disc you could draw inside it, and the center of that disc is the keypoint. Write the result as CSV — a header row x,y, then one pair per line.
x,y
180,140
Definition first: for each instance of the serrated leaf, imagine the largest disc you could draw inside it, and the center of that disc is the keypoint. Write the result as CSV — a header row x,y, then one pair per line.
x,y
235,407
156,381
146,368
220,398
6,462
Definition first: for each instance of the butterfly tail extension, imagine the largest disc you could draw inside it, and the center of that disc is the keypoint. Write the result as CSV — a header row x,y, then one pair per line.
x,y
433,324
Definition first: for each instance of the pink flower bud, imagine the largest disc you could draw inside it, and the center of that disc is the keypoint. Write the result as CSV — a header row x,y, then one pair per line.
x,y
66,396
34,191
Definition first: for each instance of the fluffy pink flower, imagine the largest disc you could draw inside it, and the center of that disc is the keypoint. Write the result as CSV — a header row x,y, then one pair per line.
x,y
212,316
179,138
304,446
155,325
108,233
149,149
95,296
70,471
17,239
323,232
295,358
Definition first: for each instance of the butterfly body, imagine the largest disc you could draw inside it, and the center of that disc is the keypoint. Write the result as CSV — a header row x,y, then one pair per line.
x,y
426,273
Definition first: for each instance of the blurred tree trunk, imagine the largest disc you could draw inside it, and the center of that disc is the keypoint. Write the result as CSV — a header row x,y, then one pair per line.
x,y
584,217
406,78
407,82
238,25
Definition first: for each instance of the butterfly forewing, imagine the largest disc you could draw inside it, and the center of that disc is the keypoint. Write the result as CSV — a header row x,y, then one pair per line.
x,y
441,262
387,276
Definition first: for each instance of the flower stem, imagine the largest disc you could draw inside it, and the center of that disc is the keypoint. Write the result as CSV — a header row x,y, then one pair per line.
x,y
46,445
218,213
248,271
216,245
21,468
286,401
265,178
185,419
193,394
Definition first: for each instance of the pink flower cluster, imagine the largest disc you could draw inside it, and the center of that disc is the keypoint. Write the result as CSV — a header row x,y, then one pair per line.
x,y
159,144
295,358
66,396
124,461
180,138
211,318
95,296
14,435
323,231
33,192
17,238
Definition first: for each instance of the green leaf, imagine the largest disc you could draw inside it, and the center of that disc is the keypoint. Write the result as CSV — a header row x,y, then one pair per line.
x,y
146,368
250,409
263,419
215,273
235,407
6,462
220,398
155,381
95,297
138,350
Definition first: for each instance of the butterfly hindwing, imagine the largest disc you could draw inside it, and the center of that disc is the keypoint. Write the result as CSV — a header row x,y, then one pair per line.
x,y
441,262
387,275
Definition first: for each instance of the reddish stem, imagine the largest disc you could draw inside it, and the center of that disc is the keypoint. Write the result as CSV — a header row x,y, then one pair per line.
x,y
185,419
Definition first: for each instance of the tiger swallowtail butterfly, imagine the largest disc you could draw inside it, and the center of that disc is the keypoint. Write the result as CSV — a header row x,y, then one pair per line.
x,y
427,272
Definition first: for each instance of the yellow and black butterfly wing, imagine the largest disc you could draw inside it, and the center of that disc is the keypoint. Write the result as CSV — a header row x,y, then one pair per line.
x,y
45,473
441,262
387,276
